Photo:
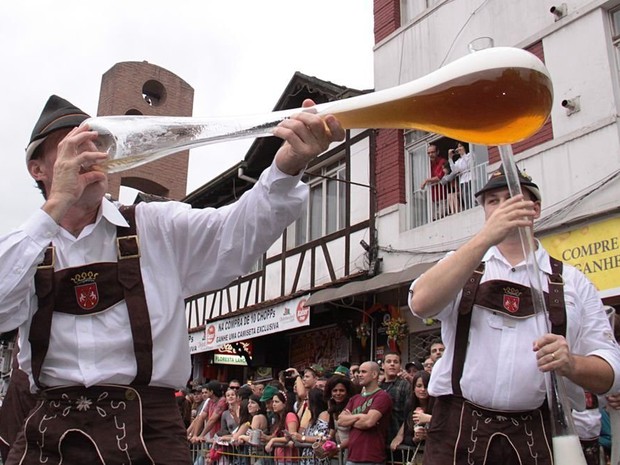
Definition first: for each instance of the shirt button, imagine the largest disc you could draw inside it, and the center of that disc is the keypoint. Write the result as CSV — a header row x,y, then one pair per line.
x,y
18,270
513,269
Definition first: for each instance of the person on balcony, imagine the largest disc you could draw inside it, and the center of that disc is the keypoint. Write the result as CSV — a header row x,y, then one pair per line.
x,y
460,164
437,190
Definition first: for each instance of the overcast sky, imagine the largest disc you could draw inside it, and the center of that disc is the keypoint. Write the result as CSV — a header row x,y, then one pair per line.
x,y
237,55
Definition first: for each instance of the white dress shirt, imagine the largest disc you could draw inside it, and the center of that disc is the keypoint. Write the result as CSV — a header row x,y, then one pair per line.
x,y
184,251
500,369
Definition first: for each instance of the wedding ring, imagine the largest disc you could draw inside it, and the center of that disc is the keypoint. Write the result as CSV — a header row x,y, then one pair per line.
x,y
553,355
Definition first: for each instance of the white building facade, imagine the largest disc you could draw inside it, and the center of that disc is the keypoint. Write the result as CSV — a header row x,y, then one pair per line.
x,y
575,158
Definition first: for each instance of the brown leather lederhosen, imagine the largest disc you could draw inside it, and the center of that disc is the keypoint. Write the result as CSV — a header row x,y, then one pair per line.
x,y
115,420
17,403
461,431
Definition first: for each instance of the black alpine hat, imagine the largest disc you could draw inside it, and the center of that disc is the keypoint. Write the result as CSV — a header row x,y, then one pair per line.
x,y
57,114
497,180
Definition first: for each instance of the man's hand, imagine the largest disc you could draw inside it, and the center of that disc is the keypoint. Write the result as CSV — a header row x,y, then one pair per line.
x,y
613,401
306,135
591,372
74,169
512,214
553,353
75,160
346,418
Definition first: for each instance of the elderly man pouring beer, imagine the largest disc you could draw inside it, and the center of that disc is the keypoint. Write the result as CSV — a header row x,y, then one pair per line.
x,y
102,330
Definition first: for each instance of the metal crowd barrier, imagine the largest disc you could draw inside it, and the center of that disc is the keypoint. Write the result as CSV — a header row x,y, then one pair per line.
x,y
256,455
407,455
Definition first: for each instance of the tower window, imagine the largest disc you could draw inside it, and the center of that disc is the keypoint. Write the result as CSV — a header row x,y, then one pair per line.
x,y
153,93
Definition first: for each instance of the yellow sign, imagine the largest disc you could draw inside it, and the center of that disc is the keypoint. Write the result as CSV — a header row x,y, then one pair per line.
x,y
593,249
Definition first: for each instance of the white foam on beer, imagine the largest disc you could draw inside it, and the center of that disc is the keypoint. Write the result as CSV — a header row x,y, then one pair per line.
x,y
567,451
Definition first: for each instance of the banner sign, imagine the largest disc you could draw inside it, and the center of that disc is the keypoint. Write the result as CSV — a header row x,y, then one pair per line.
x,y
282,317
197,342
594,250
227,359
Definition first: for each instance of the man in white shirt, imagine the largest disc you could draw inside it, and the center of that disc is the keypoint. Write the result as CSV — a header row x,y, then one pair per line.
x,y
108,345
489,384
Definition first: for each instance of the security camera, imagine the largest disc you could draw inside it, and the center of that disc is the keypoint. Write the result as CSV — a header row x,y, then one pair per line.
x,y
572,105
559,11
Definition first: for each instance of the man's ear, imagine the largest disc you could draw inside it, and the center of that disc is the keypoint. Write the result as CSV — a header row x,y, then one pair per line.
x,y
36,169
537,209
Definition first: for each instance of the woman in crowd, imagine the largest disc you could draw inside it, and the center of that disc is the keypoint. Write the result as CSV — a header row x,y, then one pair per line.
x,y
287,423
413,430
314,425
229,420
252,416
338,391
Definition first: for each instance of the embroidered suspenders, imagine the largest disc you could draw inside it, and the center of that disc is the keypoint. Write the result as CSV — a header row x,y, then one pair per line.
x,y
509,298
76,291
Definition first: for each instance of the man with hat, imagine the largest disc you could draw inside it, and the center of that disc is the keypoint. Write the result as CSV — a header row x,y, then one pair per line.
x,y
102,330
412,368
489,385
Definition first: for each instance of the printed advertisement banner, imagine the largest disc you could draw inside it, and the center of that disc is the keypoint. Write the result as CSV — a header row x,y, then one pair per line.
x,y
282,317
594,249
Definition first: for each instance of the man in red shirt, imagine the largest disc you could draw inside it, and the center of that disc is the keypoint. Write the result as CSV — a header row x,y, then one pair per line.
x,y
207,421
437,190
368,414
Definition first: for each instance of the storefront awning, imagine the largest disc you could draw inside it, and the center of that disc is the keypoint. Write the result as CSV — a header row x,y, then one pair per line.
x,y
382,282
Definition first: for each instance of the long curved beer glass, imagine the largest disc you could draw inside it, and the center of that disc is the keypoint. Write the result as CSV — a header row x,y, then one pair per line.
x,y
495,96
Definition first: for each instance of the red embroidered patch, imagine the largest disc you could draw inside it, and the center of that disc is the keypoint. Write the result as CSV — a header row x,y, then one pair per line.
x,y
87,295
86,291
511,303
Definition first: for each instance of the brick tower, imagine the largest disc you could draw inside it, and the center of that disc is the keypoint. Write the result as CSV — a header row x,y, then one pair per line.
x,y
140,88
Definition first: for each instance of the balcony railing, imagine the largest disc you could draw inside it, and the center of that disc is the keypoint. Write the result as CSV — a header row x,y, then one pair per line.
x,y
446,198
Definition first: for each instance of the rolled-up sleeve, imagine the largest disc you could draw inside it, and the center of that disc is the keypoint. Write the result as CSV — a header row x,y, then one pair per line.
x,y
594,335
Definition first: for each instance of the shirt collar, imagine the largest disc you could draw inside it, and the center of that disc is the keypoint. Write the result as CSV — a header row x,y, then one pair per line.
x,y
541,255
110,212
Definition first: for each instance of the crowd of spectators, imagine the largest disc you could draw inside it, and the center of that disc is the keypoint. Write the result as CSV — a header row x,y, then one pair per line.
x,y
311,415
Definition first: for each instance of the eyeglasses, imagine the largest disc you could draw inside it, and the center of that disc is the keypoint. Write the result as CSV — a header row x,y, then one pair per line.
x,y
234,387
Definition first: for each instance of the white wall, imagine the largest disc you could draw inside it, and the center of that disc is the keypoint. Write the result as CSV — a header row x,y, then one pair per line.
x,y
581,61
